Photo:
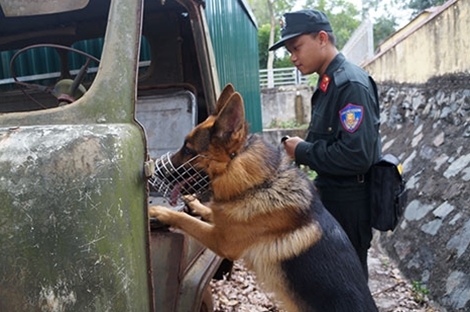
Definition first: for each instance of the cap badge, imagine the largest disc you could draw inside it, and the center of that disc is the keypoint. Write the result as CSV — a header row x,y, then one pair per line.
x,y
282,22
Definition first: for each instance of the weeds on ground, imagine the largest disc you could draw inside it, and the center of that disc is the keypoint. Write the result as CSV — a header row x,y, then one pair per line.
x,y
290,124
419,292
385,262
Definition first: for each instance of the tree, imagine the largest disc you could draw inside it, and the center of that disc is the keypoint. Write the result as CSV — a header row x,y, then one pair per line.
x,y
367,6
263,44
419,5
345,18
383,28
260,10
343,15
274,10
280,60
272,22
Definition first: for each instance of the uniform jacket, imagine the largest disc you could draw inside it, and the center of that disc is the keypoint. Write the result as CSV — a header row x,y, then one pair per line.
x,y
343,137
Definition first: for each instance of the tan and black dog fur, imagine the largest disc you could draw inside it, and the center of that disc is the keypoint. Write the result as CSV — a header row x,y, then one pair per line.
x,y
264,210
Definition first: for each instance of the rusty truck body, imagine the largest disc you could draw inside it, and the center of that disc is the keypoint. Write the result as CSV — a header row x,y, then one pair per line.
x,y
90,92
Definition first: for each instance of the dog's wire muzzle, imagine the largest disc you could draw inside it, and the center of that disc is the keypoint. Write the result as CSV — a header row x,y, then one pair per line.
x,y
171,182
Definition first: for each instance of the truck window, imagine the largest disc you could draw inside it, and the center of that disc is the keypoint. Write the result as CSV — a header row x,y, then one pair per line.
x,y
33,7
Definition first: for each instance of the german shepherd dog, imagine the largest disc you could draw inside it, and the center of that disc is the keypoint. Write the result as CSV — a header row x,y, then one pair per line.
x,y
264,210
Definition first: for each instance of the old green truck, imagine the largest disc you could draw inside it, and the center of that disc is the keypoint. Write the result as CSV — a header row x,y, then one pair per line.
x,y
90,92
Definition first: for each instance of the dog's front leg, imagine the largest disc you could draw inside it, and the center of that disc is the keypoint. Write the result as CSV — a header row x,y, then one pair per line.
x,y
196,207
200,230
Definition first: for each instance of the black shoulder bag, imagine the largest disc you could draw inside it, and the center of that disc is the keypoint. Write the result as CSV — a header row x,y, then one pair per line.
x,y
388,193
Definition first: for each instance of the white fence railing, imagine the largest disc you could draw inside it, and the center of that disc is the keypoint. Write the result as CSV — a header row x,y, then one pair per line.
x,y
281,77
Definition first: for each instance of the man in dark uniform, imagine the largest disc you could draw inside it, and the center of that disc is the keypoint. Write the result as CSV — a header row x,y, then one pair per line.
x,y
343,137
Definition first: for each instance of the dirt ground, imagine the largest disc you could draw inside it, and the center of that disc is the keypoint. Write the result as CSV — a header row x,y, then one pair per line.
x,y
392,293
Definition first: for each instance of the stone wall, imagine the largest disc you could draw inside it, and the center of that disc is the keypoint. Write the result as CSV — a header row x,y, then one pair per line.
x,y
426,122
428,127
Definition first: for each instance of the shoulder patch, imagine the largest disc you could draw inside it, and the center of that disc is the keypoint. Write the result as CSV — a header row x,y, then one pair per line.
x,y
351,117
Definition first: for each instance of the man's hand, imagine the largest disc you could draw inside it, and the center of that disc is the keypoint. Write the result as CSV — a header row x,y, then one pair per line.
x,y
290,144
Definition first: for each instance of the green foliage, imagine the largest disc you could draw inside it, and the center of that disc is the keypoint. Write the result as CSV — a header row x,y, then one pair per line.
x,y
310,173
383,28
260,10
291,124
385,262
313,80
282,6
263,45
416,5
367,6
344,18
420,5
419,291
280,62
343,15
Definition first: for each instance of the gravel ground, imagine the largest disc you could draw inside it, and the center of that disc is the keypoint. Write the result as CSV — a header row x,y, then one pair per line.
x,y
391,291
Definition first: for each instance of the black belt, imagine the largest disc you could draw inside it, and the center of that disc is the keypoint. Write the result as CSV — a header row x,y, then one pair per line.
x,y
359,178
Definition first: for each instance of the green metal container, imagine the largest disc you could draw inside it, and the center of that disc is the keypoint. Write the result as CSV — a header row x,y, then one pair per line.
x,y
234,35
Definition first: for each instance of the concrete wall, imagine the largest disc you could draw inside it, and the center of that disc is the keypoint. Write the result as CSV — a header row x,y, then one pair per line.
x,y
437,44
278,104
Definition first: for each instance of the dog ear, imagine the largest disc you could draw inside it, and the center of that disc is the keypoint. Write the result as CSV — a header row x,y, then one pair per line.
x,y
231,118
224,96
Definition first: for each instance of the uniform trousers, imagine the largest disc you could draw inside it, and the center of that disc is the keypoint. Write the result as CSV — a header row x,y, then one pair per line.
x,y
349,205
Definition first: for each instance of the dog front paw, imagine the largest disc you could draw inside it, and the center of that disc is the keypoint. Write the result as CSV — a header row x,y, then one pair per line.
x,y
162,214
196,208
190,202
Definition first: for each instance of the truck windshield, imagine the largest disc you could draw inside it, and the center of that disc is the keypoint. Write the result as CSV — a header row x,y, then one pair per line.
x,y
39,7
